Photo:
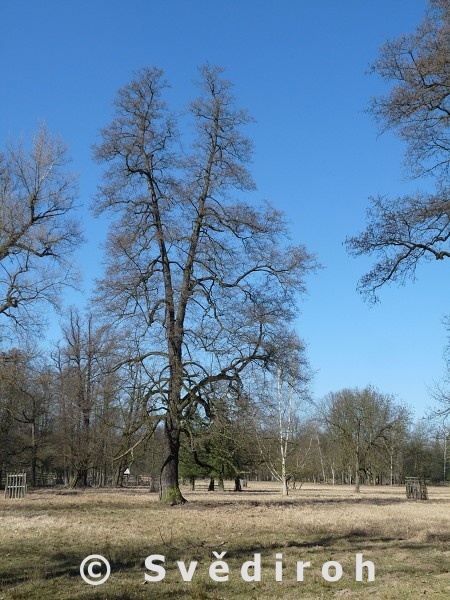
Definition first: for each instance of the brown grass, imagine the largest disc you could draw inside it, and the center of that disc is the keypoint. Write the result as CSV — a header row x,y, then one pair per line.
x,y
44,537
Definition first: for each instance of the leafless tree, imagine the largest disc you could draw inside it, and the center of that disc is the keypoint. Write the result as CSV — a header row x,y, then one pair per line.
x,y
25,410
37,231
86,389
404,231
279,396
362,422
205,280
132,418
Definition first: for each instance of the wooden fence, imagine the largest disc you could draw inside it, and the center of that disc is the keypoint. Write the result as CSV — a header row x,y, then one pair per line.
x,y
141,480
16,485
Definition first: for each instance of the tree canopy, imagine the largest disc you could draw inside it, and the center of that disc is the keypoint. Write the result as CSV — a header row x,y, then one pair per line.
x,y
401,232
37,230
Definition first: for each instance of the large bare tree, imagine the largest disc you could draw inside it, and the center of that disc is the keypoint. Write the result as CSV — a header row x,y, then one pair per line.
x,y
37,231
401,232
204,279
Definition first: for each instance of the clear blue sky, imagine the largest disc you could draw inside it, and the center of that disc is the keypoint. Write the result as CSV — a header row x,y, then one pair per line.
x,y
300,68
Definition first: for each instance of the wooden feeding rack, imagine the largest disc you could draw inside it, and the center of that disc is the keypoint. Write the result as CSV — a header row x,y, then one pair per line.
x,y
416,489
16,485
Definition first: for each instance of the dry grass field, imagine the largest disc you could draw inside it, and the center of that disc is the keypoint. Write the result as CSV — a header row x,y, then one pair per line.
x,y
45,537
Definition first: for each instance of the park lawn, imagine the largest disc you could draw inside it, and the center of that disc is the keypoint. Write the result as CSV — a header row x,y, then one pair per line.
x,y
45,537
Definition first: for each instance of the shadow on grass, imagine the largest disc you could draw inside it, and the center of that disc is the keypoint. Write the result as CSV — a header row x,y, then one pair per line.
x,y
64,565
250,500
130,563
298,502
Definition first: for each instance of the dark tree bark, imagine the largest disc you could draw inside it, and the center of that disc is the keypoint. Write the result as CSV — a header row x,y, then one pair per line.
x,y
169,491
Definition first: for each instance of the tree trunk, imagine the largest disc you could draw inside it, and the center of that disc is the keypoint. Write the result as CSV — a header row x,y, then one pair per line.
x,y
67,475
84,477
211,484
118,474
357,460
321,460
169,491
33,456
237,484
284,476
80,478
357,476
391,470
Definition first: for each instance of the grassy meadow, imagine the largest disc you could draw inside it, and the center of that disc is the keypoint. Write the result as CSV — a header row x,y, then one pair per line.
x,y
45,536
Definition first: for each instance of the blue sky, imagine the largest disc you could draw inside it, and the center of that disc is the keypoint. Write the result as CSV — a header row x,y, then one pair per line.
x,y
300,68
